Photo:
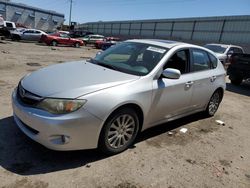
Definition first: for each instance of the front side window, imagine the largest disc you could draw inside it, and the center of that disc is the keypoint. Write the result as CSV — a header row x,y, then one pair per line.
x,y
64,35
179,61
200,60
29,31
130,57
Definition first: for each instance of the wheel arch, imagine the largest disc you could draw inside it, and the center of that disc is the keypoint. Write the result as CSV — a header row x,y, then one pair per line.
x,y
133,106
221,90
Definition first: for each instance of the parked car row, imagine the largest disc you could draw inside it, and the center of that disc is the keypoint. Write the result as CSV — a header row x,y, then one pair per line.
x,y
62,38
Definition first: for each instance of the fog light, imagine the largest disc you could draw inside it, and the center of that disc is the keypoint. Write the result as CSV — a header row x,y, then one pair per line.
x,y
65,139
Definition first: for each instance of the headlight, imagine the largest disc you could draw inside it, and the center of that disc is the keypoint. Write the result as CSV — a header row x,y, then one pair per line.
x,y
61,106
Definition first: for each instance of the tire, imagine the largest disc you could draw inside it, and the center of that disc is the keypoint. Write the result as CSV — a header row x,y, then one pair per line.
x,y
235,81
77,45
119,131
54,43
15,38
214,103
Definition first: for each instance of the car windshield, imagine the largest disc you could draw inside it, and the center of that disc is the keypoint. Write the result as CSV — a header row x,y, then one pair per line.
x,y
131,57
216,48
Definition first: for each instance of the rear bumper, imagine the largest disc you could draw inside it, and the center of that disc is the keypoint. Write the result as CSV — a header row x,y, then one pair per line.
x,y
80,129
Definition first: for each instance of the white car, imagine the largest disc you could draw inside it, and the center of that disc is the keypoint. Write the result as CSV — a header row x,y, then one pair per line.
x,y
91,39
224,51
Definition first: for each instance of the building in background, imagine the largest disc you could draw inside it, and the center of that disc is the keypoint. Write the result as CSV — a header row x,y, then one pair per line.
x,y
223,29
30,17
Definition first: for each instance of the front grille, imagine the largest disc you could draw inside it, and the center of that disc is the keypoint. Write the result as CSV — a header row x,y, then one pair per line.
x,y
27,97
34,131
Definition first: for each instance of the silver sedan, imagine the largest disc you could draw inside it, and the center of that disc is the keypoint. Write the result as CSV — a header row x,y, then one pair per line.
x,y
106,101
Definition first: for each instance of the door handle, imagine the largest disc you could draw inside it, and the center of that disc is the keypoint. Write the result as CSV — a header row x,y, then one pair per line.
x,y
189,84
213,78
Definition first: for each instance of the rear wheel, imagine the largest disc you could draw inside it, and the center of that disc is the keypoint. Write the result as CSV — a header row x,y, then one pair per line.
x,y
54,43
214,103
119,131
77,45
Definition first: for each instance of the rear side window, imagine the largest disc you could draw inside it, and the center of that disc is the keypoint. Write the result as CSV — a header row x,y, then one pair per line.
x,y
236,50
9,24
213,60
200,60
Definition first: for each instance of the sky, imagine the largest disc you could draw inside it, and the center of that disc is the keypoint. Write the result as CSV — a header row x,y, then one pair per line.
x,y
115,10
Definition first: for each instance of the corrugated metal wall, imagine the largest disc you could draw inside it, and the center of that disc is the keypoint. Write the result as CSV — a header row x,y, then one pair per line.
x,y
227,29
30,16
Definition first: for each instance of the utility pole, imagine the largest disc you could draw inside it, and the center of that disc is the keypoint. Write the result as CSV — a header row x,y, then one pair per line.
x,y
70,10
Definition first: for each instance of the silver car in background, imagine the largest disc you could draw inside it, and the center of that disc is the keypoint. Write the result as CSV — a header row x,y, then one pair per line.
x,y
106,101
27,34
224,51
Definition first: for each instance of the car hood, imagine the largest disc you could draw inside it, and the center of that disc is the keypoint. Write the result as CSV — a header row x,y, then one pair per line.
x,y
72,80
219,55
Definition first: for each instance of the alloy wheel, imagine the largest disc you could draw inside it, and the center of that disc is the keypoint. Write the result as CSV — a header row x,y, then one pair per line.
x,y
214,103
121,131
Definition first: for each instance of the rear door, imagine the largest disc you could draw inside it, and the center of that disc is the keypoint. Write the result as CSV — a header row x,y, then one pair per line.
x,y
204,78
27,35
37,35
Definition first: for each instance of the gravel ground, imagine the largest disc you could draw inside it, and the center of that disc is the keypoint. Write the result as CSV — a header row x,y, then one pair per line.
x,y
207,155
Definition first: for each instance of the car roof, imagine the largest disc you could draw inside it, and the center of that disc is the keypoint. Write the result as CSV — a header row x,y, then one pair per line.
x,y
91,35
224,45
35,30
159,42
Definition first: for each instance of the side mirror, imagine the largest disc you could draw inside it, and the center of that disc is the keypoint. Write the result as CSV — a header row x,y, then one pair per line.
x,y
98,53
171,73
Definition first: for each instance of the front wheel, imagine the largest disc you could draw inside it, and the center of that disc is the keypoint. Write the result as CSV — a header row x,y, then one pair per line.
x,y
119,131
214,103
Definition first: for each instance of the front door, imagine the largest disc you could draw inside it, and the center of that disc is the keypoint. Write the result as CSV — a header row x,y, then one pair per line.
x,y
172,97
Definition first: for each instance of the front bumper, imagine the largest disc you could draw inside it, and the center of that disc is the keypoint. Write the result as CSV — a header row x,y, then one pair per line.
x,y
80,128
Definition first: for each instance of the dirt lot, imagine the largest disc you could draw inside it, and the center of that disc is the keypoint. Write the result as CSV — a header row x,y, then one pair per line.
x,y
208,155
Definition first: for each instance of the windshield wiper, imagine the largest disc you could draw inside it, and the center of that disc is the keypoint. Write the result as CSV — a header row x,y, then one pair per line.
x,y
103,64
107,65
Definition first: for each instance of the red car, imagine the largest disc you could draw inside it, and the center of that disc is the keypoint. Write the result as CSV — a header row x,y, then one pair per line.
x,y
99,43
61,38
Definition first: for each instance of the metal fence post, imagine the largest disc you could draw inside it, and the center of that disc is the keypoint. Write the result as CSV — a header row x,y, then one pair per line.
x,y
154,29
140,29
172,29
192,34
129,28
120,28
222,30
